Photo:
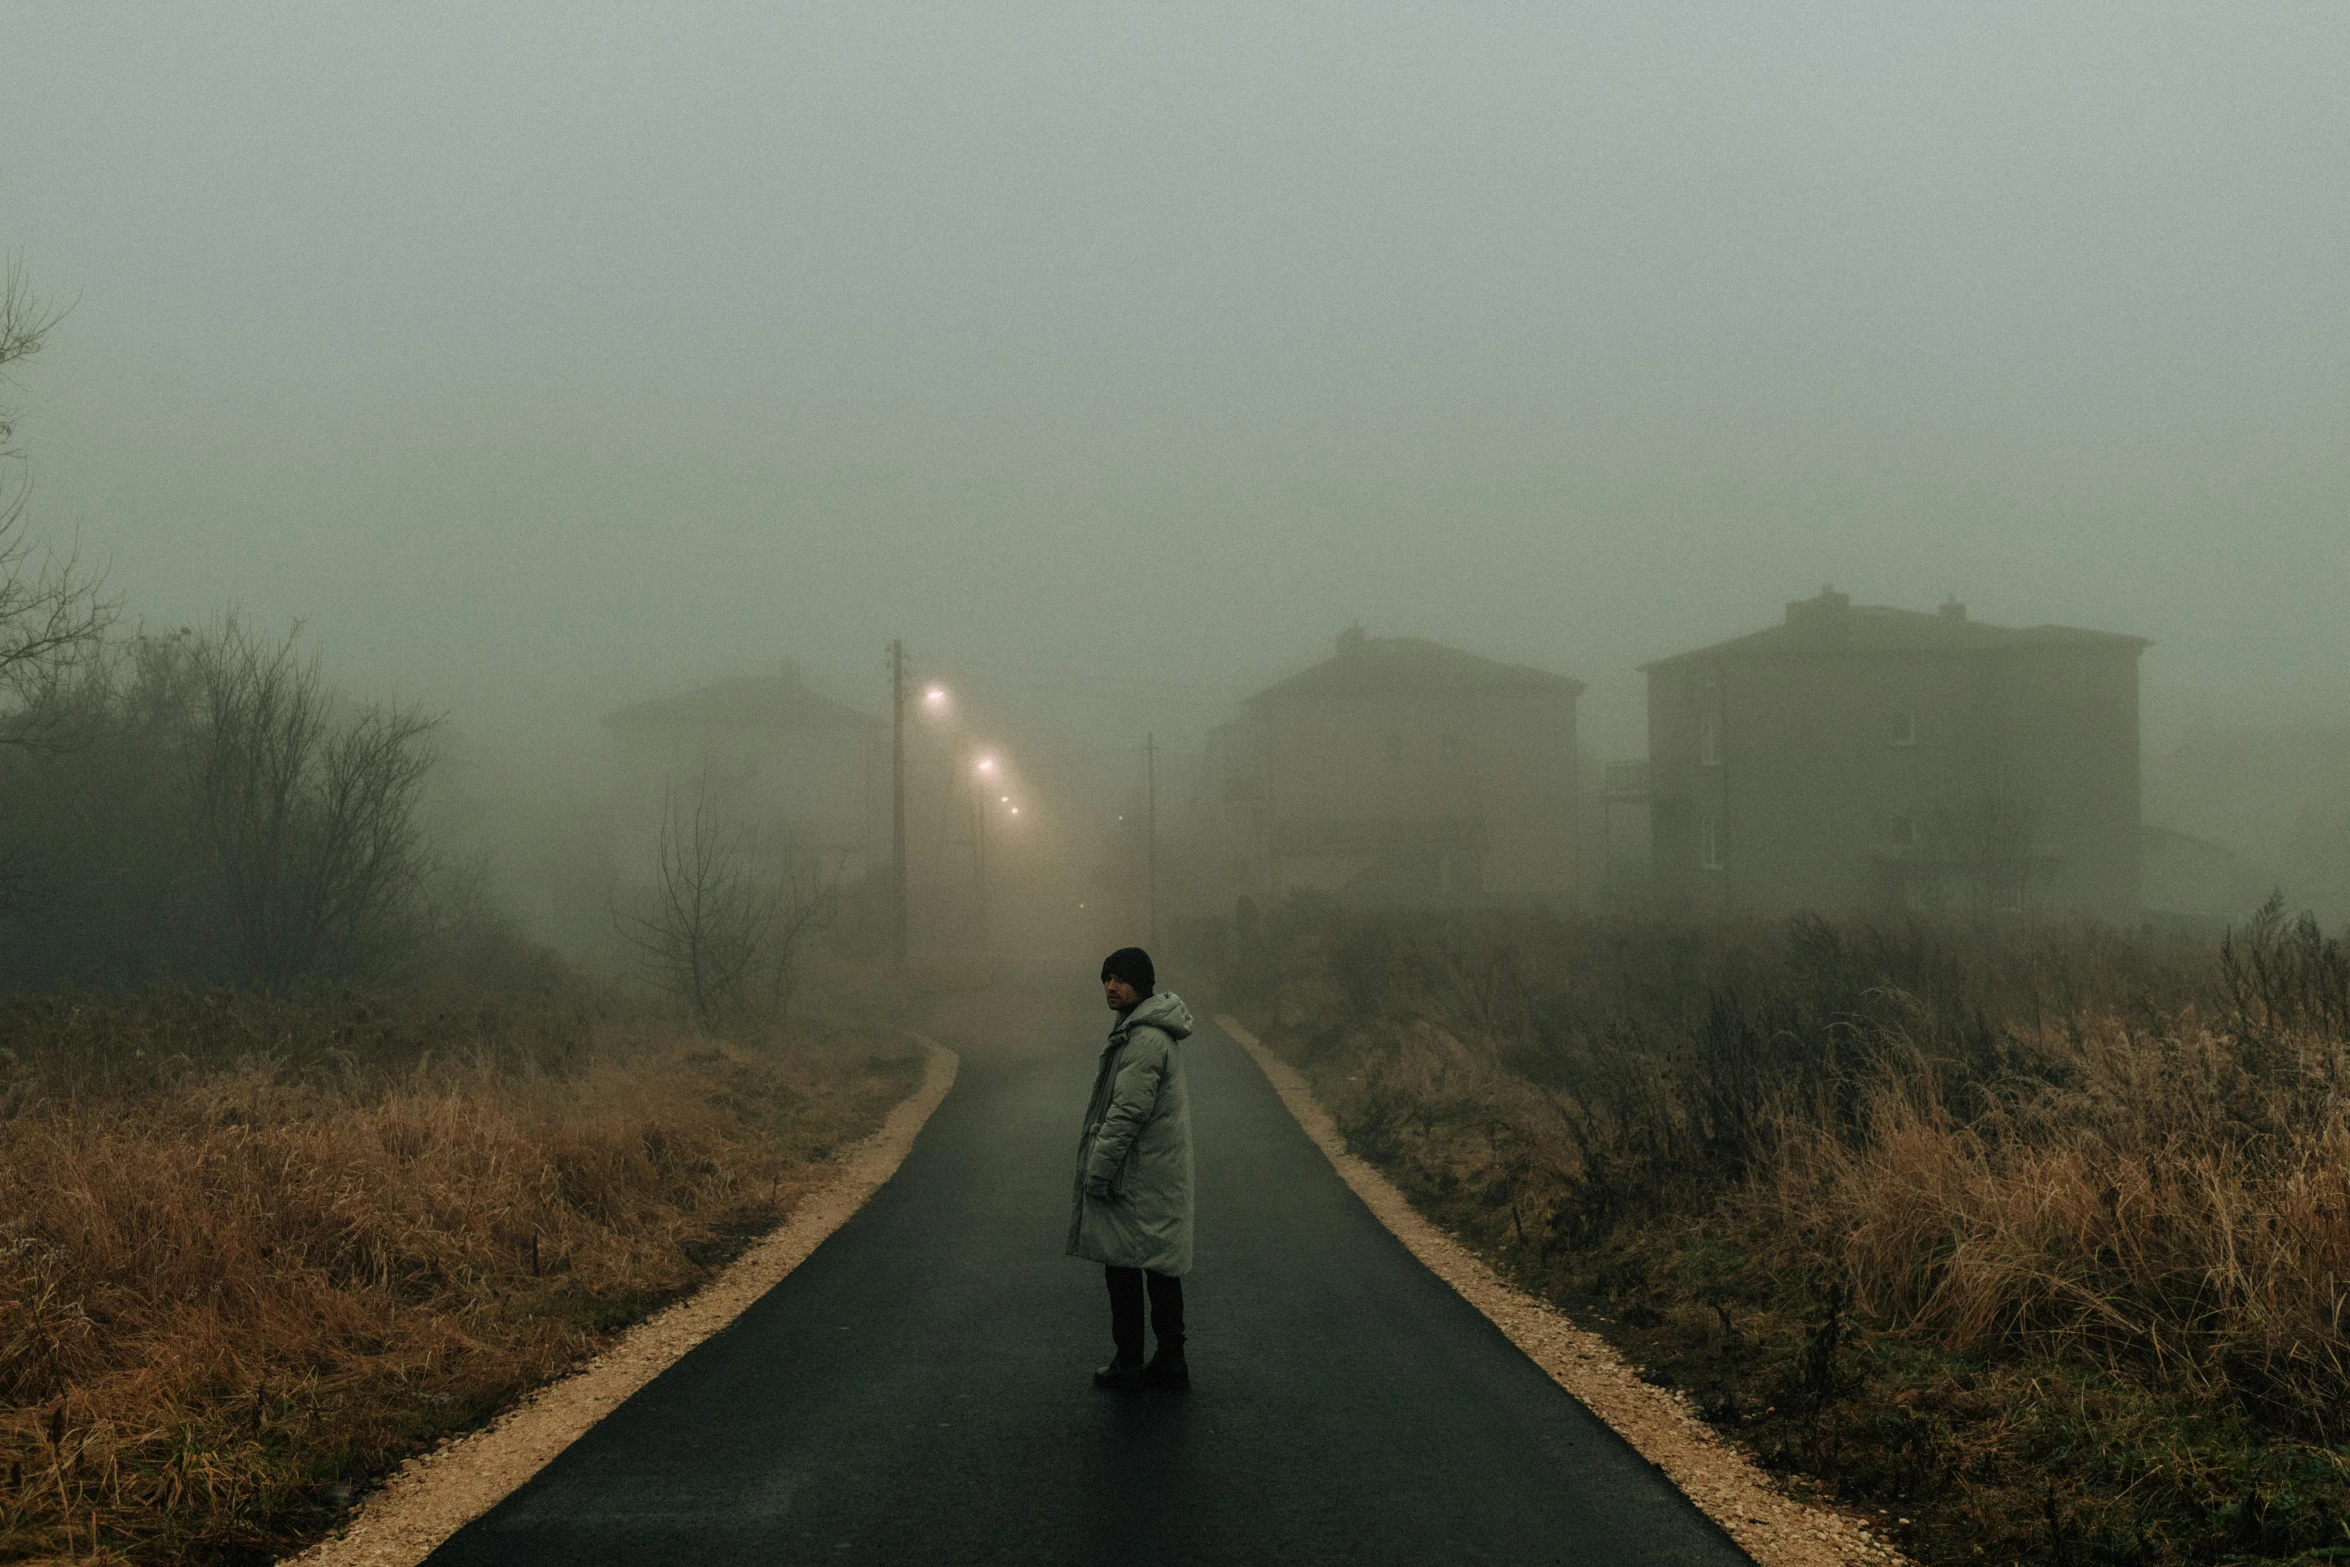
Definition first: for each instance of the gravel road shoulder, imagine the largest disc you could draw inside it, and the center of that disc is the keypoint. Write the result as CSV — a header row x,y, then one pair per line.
x,y
430,1498
1775,1529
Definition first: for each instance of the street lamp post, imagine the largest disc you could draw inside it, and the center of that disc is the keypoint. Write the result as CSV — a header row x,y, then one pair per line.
x,y
979,864
897,804
985,767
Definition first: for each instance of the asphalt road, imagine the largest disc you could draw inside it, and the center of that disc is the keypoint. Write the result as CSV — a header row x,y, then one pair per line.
x,y
919,1389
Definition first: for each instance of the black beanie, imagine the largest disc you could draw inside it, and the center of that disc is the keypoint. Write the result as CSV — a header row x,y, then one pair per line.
x,y
1132,965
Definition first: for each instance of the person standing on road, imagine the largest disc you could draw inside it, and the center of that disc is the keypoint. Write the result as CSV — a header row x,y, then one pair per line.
x,y
1131,1207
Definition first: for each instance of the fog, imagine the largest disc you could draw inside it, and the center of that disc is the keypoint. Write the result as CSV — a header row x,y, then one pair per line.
x,y
548,360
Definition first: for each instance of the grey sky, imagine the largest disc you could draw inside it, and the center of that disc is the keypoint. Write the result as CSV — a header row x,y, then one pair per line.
x,y
550,358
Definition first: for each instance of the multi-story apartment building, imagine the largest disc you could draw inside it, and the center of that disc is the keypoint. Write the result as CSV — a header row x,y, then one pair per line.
x,y
1858,757
1399,771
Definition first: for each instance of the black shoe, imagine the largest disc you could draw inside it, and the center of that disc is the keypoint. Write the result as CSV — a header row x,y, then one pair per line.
x,y
1167,1372
1121,1374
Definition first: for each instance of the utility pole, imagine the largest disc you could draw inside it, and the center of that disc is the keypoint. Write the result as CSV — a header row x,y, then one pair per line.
x,y
966,776
979,861
897,801
1150,784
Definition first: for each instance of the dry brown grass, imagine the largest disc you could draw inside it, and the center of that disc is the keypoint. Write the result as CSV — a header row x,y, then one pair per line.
x,y
2037,1237
2176,1202
235,1285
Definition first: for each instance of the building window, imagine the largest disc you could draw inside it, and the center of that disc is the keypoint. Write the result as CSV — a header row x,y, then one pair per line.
x,y
1709,738
1395,747
1709,842
1903,730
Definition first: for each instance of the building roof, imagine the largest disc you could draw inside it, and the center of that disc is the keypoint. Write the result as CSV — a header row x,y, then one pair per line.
x,y
1390,666
1832,623
745,702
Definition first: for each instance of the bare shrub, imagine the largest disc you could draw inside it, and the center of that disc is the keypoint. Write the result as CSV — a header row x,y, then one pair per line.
x,y
731,913
52,611
2038,1233
310,807
205,808
2284,976
1667,1054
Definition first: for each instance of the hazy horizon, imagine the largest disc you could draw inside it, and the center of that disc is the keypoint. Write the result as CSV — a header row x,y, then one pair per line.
x,y
545,361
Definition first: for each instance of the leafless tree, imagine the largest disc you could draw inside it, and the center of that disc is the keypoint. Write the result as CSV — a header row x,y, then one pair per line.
x,y
806,894
311,810
731,912
52,611
1984,847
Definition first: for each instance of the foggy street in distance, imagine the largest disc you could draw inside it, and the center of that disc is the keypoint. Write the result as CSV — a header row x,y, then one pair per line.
x,y
1708,641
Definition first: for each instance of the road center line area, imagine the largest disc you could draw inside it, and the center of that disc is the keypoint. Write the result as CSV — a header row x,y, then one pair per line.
x,y
919,1390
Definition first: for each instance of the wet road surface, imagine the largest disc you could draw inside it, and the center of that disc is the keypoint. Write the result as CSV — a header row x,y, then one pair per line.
x,y
918,1390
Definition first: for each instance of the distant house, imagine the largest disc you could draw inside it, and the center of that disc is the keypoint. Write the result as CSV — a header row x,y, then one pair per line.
x,y
1399,772
2277,799
1856,756
764,754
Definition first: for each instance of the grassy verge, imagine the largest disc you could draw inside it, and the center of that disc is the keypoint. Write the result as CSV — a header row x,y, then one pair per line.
x,y
2035,1243
253,1253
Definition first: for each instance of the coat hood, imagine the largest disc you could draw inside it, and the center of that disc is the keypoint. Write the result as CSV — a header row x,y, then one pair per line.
x,y
1164,1011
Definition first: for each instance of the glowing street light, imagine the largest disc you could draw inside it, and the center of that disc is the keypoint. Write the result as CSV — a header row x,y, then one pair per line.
x,y
936,699
987,764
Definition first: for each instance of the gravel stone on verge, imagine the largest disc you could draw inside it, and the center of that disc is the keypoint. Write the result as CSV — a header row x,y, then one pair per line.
x,y
431,1497
1777,1530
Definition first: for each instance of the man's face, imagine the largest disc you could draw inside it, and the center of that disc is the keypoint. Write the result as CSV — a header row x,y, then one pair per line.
x,y
1119,994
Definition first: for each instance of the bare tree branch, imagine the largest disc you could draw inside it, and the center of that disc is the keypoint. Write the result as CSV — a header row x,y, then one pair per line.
x,y
730,913
312,817
53,610
1983,846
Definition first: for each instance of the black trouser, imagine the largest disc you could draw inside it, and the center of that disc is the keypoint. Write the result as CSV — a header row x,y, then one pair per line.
x,y
1126,1290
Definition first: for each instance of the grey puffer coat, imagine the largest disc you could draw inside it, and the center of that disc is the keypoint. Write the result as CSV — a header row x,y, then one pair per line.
x,y
1131,1204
